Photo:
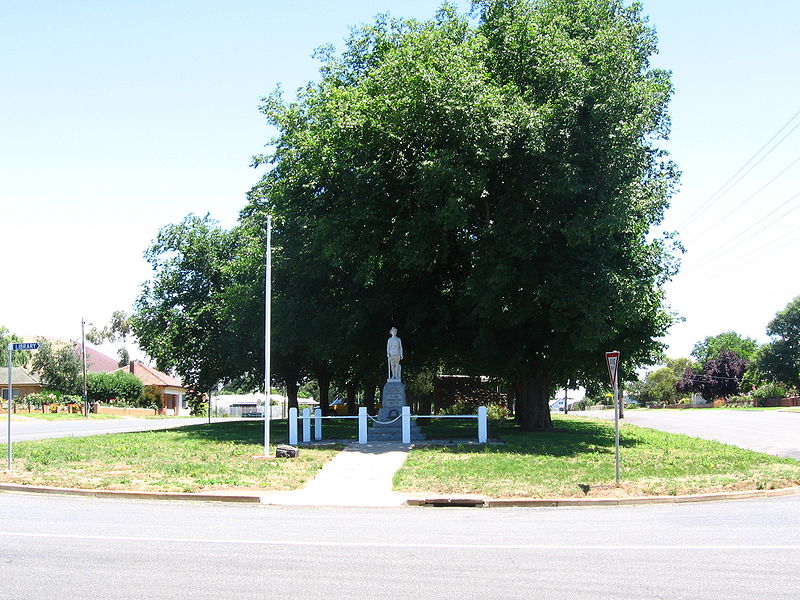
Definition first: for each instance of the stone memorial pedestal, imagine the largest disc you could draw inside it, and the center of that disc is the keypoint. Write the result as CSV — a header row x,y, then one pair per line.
x,y
389,427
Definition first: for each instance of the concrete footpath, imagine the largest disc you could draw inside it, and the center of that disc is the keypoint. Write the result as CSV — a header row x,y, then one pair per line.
x,y
360,475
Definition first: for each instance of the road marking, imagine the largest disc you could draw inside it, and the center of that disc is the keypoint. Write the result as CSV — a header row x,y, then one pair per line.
x,y
603,547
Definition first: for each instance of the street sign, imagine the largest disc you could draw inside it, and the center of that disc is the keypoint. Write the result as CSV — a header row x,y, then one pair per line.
x,y
612,361
25,346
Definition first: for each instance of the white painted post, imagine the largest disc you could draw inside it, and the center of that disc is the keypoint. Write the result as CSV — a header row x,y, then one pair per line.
x,y
482,427
306,425
406,424
362,424
317,424
293,426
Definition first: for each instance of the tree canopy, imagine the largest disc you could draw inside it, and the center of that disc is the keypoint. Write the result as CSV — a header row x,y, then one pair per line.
x,y
487,185
711,346
780,359
59,368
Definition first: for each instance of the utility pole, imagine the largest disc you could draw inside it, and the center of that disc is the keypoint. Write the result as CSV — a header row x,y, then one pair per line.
x,y
83,354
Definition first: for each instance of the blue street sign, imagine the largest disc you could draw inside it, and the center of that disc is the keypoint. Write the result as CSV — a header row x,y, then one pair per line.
x,y
25,346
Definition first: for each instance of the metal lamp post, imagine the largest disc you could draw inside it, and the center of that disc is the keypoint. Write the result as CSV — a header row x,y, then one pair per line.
x,y
267,333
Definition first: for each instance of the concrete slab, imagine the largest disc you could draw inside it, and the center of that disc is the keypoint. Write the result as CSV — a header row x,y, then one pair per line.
x,y
360,475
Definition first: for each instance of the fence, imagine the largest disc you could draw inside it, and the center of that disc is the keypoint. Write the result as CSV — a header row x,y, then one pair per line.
x,y
362,417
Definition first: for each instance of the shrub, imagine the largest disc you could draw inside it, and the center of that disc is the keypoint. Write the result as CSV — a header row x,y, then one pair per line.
x,y
493,411
102,387
770,390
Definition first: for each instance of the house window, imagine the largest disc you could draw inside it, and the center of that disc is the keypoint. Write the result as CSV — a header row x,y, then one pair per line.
x,y
16,393
184,402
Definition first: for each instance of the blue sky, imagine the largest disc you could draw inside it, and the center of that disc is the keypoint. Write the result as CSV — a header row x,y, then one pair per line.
x,y
118,118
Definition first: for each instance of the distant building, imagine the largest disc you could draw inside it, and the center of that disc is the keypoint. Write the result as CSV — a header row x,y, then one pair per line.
x,y
23,382
170,389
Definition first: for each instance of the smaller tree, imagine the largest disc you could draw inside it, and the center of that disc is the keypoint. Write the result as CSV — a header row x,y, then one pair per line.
x,y
60,369
18,359
660,385
118,329
718,377
710,348
780,359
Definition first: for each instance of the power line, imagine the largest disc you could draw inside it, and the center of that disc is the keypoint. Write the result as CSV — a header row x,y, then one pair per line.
x,y
748,199
736,240
720,193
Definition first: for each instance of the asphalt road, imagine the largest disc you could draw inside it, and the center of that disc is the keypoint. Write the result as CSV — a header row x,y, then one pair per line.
x,y
36,429
64,547
770,431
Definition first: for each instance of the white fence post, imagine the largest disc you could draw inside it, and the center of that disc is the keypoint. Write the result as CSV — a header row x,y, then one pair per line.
x,y
362,424
406,424
293,426
482,427
317,424
306,425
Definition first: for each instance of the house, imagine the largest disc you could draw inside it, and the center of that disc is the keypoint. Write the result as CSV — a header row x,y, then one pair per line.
x,y
170,389
23,382
96,362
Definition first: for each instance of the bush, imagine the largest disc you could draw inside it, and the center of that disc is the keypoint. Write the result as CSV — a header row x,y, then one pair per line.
x,y
493,411
120,385
582,404
770,390
39,399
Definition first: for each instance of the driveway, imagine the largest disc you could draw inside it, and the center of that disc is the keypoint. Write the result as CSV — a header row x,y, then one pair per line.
x,y
769,431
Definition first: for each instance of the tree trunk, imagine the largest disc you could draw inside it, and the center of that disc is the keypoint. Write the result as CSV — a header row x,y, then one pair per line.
x,y
370,384
291,393
352,409
324,382
532,409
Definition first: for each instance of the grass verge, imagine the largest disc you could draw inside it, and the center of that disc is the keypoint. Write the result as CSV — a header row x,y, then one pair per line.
x,y
64,416
577,460
189,459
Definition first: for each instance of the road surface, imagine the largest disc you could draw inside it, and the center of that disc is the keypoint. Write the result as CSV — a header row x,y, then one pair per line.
x,y
770,431
37,429
58,547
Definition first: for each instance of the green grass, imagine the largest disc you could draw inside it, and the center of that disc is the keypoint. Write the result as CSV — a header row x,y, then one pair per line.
x,y
189,459
64,416
577,459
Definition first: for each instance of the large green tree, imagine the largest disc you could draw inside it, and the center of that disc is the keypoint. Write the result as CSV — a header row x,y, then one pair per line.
x,y
489,189
180,315
60,368
780,359
711,346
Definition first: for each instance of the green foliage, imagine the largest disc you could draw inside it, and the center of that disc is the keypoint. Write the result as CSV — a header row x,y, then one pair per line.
x,y
780,359
498,184
198,404
658,387
20,358
770,390
60,369
180,317
39,399
493,411
709,348
119,385
151,398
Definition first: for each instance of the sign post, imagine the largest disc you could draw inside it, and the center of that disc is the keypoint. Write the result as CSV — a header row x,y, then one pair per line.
x,y
612,361
11,348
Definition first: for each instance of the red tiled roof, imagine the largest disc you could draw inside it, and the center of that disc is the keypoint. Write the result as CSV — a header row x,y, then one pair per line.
x,y
151,376
96,362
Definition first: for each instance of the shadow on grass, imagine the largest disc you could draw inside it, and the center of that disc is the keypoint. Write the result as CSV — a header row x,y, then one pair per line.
x,y
569,438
